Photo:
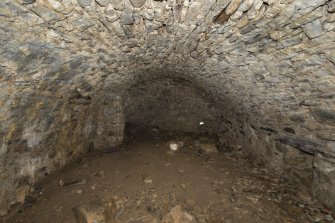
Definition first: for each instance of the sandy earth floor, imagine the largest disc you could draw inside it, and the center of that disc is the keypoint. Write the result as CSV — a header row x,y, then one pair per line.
x,y
146,180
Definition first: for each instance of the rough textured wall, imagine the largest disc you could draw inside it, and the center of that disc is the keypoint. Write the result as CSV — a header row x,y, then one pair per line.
x,y
170,104
270,64
108,123
46,132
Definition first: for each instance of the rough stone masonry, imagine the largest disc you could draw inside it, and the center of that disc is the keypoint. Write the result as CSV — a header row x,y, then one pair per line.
x,y
67,65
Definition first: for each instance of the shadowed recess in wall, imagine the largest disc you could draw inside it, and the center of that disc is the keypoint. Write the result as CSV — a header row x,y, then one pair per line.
x,y
171,104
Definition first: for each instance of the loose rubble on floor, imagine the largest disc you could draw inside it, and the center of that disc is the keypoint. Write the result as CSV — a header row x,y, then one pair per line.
x,y
148,182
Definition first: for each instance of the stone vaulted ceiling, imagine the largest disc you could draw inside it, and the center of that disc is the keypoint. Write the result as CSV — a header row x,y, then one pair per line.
x,y
269,62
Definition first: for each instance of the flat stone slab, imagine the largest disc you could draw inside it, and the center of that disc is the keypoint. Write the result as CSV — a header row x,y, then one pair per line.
x,y
137,3
208,148
324,116
95,212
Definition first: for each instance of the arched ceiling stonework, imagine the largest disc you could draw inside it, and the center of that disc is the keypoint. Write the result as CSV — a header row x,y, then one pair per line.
x,y
268,64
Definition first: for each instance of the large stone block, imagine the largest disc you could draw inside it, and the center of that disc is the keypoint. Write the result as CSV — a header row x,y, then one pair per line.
x,y
324,115
84,3
137,3
96,212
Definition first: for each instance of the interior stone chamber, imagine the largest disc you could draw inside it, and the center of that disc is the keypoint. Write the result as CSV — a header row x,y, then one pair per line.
x,y
259,74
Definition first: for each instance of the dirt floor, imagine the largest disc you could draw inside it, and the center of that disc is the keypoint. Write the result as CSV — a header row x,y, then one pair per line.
x,y
148,182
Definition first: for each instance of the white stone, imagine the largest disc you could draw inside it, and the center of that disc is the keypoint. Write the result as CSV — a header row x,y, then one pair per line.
x,y
174,146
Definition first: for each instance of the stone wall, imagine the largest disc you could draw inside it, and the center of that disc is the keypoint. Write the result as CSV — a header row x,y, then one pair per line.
x,y
268,64
43,132
170,104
